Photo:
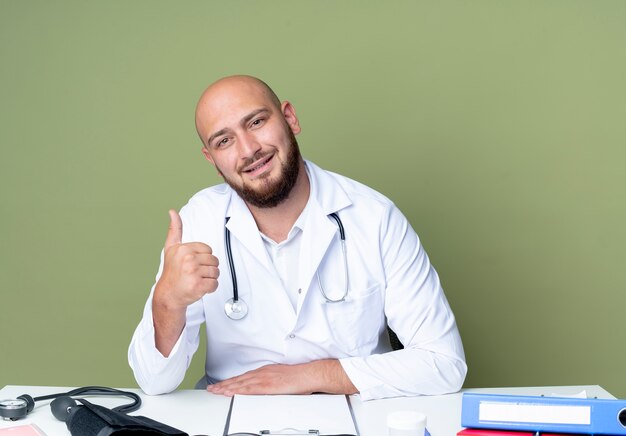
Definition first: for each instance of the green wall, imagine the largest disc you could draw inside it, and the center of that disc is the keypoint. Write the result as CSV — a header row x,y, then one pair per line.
x,y
498,127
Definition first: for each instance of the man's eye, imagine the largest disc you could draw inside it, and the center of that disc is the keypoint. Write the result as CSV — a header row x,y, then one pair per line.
x,y
257,122
222,142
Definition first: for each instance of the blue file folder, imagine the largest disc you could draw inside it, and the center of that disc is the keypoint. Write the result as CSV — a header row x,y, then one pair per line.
x,y
544,414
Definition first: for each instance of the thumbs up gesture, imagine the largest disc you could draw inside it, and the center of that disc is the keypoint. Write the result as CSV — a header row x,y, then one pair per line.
x,y
189,270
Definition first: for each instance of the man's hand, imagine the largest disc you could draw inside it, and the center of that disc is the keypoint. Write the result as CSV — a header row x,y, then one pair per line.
x,y
318,376
189,272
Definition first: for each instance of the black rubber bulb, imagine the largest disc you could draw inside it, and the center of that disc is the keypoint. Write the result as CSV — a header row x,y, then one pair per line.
x,y
62,407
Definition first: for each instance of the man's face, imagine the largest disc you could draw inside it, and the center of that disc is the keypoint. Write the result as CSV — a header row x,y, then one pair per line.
x,y
250,138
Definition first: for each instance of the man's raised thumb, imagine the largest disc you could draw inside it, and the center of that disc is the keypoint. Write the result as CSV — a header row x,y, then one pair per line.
x,y
175,232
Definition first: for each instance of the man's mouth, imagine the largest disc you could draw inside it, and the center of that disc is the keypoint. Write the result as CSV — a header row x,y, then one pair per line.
x,y
259,166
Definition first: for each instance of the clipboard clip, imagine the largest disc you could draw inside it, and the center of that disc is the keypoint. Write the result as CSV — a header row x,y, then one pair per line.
x,y
290,432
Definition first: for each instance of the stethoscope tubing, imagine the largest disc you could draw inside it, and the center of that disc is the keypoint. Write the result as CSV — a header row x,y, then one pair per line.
x,y
236,308
342,239
231,264
100,391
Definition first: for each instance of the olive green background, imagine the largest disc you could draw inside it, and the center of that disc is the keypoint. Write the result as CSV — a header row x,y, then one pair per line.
x,y
498,127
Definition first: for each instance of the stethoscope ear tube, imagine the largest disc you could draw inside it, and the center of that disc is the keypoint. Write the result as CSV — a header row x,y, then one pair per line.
x,y
342,233
342,238
231,264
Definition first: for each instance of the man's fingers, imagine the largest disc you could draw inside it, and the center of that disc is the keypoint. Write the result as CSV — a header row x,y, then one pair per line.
x,y
258,381
209,272
199,247
207,259
210,284
175,231
231,386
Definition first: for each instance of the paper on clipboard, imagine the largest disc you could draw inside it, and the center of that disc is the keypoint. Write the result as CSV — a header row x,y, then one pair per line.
x,y
328,414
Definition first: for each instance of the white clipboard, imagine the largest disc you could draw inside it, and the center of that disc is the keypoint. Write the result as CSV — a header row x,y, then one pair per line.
x,y
317,414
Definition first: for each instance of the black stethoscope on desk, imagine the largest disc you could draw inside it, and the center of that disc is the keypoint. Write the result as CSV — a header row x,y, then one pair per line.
x,y
236,308
18,408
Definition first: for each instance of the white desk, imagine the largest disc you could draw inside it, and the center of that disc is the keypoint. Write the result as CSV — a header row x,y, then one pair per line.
x,y
201,413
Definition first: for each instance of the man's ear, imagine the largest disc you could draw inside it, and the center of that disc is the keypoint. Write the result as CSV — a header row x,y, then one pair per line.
x,y
289,112
207,155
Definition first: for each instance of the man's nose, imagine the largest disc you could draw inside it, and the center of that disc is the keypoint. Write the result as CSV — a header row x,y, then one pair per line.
x,y
248,145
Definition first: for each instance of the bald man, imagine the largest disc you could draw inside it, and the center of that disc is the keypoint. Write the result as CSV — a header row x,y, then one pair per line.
x,y
321,265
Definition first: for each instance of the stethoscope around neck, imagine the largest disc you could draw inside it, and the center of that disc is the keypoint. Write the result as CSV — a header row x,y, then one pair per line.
x,y
236,308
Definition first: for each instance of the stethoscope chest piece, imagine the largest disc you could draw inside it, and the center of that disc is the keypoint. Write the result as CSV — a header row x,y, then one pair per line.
x,y
236,309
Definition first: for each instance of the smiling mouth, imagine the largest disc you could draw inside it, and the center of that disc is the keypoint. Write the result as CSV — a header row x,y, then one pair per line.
x,y
258,166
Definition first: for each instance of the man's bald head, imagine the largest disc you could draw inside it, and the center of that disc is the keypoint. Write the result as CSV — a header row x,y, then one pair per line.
x,y
228,92
249,136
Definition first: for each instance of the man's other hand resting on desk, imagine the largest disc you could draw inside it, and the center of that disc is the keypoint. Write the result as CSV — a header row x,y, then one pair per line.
x,y
306,378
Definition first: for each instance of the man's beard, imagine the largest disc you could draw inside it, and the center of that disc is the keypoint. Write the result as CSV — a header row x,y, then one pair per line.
x,y
273,192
